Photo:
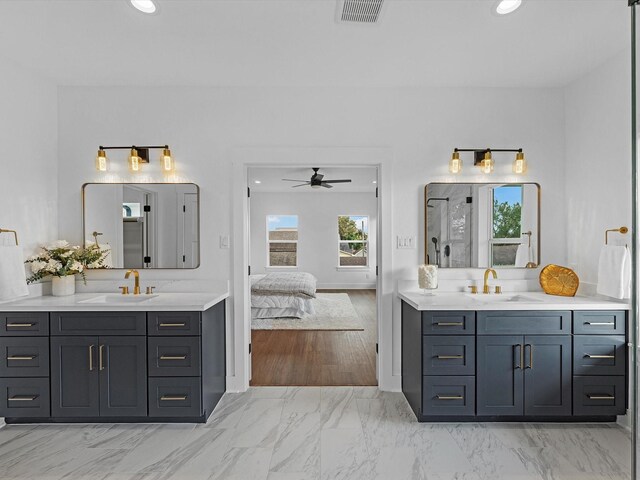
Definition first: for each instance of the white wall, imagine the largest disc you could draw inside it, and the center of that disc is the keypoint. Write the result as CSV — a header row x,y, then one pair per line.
x,y
317,233
598,163
205,126
28,163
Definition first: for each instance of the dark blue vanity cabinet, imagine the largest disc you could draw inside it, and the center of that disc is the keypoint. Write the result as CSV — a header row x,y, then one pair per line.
x,y
514,365
112,366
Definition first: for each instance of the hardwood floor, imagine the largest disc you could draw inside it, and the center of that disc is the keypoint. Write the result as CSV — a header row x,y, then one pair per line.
x,y
319,358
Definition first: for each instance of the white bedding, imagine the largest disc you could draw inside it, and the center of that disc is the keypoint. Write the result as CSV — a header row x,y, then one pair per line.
x,y
279,306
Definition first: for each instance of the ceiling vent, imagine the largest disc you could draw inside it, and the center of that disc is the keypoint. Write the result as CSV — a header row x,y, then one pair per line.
x,y
359,11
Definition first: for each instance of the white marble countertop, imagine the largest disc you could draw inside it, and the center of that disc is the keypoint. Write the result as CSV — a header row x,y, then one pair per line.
x,y
506,301
114,302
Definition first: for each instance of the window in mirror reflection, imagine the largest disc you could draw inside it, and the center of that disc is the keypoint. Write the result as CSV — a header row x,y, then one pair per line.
x,y
506,225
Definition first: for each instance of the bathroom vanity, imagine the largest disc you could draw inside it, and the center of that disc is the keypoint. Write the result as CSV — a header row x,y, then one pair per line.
x,y
110,358
518,357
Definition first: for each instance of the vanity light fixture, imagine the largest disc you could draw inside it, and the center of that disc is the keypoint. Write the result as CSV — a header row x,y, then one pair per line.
x,y
455,164
520,164
102,162
487,164
134,161
138,155
166,161
483,158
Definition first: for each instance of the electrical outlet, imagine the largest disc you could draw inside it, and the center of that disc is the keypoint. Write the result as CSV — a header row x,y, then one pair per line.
x,y
225,242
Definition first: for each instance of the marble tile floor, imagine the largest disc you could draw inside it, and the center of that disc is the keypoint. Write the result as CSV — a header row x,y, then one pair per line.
x,y
291,433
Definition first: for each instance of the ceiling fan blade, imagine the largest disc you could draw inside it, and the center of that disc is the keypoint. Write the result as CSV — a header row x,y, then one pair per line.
x,y
301,185
337,181
289,180
326,185
318,177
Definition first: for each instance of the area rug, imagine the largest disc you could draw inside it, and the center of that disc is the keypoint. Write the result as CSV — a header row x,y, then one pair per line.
x,y
334,311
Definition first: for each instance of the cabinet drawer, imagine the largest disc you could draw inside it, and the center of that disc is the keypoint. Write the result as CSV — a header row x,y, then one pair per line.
x,y
523,323
447,323
173,323
448,396
599,395
23,324
599,323
24,357
599,355
448,355
99,323
175,397
174,356
24,397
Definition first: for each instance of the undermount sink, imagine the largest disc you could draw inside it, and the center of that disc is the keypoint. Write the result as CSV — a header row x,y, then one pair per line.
x,y
113,298
500,298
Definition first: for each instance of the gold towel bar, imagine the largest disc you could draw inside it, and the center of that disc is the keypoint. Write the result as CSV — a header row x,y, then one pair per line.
x,y
15,234
621,230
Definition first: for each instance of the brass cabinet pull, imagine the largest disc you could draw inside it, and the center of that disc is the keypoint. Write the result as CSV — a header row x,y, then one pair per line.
x,y
171,398
599,356
449,397
173,357
173,324
519,355
601,397
449,324
23,398
530,365
91,358
20,325
449,357
599,323
101,356
17,357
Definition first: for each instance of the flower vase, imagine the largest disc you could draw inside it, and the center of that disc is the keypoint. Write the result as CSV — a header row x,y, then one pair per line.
x,y
63,286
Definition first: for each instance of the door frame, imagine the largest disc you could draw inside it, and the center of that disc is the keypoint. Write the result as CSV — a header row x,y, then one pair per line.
x,y
239,326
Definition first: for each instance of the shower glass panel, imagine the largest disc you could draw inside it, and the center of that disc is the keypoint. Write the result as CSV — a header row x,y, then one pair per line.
x,y
634,313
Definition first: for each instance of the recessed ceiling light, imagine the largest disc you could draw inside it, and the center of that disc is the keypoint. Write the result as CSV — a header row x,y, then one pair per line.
x,y
257,181
374,181
145,6
508,6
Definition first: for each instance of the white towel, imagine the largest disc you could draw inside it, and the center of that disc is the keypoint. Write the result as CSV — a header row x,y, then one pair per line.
x,y
523,255
13,280
614,271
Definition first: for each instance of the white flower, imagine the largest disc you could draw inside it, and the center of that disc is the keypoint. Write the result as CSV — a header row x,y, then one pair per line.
x,y
53,266
77,266
95,265
66,254
37,266
59,244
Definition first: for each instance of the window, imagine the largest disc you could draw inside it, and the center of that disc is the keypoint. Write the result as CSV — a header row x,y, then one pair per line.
x,y
506,225
353,241
282,240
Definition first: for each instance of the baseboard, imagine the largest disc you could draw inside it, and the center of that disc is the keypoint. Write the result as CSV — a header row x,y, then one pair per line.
x,y
346,286
625,420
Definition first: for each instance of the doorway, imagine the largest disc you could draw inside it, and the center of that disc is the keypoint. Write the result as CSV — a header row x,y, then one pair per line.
x,y
302,229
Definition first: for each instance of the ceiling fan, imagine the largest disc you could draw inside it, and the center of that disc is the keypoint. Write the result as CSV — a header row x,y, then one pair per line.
x,y
316,180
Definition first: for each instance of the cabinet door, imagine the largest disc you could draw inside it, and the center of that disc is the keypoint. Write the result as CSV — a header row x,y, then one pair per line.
x,y
547,375
122,362
499,376
74,377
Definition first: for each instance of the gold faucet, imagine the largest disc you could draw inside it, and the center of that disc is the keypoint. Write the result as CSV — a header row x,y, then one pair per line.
x,y
485,289
136,278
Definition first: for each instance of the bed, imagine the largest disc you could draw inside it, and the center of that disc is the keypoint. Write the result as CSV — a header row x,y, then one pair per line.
x,y
282,295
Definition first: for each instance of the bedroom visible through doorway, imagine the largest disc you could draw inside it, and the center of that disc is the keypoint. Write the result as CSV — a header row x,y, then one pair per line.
x,y
313,259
